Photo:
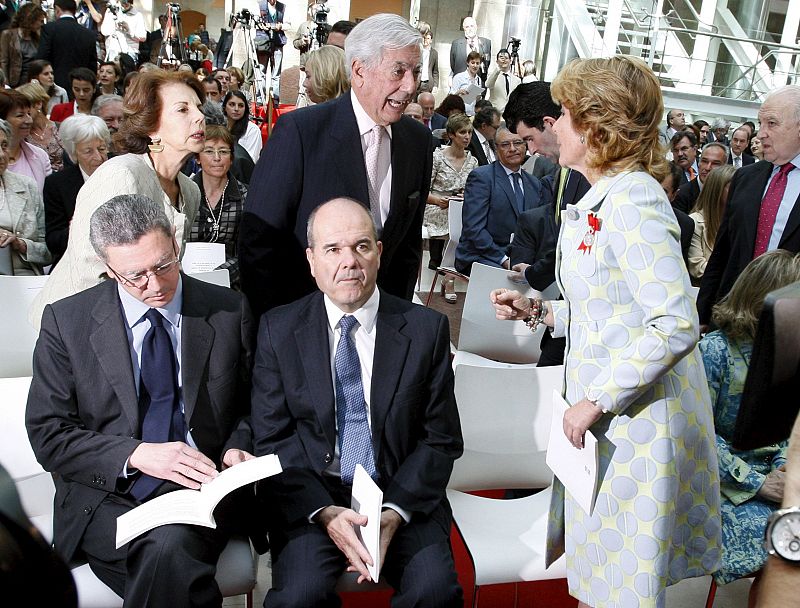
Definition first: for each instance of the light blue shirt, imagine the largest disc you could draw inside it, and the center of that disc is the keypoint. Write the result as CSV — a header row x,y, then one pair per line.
x,y
463,80
790,196
136,327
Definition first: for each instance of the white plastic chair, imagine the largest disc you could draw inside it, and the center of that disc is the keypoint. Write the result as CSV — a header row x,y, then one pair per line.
x,y
18,336
449,256
482,334
237,566
505,419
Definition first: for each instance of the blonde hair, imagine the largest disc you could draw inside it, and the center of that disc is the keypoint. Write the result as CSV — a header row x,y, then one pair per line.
x,y
330,78
34,92
711,202
738,312
616,103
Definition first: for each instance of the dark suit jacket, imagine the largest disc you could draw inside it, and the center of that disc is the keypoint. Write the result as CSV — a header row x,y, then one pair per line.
x,y
476,149
83,415
490,214
687,196
736,237
60,191
746,159
438,122
314,154
67,45
458,56
536,233
416,433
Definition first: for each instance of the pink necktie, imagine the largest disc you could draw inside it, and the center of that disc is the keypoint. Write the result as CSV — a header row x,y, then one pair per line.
x,y
769,208
372,161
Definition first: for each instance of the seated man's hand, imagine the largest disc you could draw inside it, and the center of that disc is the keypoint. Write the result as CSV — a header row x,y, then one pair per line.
x,y
174,461
233,457
390,522
338,522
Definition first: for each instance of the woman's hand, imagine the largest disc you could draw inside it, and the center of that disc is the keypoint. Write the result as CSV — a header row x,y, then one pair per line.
x,y
772,488
9,240
438,200
509,305
578,419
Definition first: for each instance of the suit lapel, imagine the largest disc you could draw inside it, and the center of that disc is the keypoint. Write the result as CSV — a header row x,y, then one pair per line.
x,y
349,156
391,348
197,338
530,191
110,345
504,183
17,201
314,348
398,206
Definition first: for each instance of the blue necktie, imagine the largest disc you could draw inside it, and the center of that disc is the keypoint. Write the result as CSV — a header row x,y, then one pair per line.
x,y
518,194
355,439
162,419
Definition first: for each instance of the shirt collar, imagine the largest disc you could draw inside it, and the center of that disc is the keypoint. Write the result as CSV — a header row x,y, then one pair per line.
x,y
507,170
363,120
134,309
83,173
366,316
479,135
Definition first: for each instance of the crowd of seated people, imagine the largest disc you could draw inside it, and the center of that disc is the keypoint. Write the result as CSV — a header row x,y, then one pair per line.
x,y
73,137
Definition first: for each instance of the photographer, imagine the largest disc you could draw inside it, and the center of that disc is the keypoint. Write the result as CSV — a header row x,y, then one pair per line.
x,y
124,28
270,39
502,80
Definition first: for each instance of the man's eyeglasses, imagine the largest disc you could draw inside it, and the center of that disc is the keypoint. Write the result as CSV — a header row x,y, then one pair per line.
x,y
221,153
140,280
516,143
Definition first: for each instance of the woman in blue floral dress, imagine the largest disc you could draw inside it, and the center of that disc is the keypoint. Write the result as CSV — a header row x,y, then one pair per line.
x,y
751,482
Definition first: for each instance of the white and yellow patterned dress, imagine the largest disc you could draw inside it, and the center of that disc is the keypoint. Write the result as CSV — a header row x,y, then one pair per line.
x,y
632,332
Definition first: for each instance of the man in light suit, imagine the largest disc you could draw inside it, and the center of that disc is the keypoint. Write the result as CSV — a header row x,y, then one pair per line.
x,y
298,170
119,418
354,376
763,210
461,47
66,44
494,197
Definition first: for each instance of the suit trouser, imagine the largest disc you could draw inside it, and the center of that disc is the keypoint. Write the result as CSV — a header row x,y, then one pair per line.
x,y
306,565
170,566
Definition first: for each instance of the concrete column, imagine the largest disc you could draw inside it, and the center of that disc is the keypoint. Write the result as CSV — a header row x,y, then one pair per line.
x,y
703,62
783,68
611,33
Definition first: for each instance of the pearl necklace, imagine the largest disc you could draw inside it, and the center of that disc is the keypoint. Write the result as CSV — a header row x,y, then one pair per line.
x,y
215,220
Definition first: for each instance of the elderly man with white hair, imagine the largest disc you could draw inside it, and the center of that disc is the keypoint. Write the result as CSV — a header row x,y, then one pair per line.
x,y
461,47
360,146
763,209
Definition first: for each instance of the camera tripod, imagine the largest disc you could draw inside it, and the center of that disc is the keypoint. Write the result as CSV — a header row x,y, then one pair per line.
x,y
261,84
173,32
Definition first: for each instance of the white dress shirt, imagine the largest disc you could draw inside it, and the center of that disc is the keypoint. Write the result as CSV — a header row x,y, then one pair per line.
x,y
365,124
790,196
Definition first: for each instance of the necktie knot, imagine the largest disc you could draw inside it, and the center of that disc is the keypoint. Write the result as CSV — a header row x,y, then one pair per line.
x,y
786,168
156,318
347,323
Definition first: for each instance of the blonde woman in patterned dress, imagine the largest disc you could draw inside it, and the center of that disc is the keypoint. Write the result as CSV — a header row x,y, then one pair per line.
x,y
633,373
451,166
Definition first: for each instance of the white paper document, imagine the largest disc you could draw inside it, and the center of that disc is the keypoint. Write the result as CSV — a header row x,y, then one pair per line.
x,y
473,92
202,257
367,499
193,506
576,469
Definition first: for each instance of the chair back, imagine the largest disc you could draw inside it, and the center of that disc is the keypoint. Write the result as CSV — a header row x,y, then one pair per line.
x,y
35,486
454,223
505,420
482,334
18,335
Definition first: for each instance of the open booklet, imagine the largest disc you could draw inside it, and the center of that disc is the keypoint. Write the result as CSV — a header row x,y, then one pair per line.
x,y
193,506
576,469
367,499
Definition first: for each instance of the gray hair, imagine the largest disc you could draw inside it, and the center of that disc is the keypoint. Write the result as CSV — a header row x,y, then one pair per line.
x,y
715,144
104,100
6,128
124,220
79,128
371,38
313,216
720,123
501,129
792,91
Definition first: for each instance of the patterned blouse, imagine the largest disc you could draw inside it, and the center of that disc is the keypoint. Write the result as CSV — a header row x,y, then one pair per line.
x,y
445,180
229,214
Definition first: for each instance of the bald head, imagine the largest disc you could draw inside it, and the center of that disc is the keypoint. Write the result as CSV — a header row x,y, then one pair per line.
x,y
428,102
414,110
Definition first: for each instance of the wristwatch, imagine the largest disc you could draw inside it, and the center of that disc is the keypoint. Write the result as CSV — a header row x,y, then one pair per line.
x,y
782,537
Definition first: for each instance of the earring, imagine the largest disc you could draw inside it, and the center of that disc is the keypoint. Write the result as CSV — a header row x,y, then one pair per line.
x,y
583,139
155,145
